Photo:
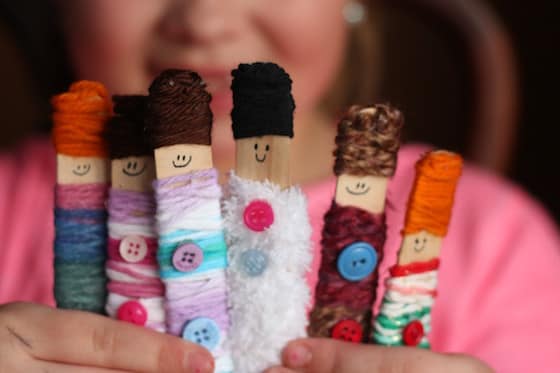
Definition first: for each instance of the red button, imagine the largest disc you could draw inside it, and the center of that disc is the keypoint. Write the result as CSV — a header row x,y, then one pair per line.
x,y
348,330
258,215
132,312
413,333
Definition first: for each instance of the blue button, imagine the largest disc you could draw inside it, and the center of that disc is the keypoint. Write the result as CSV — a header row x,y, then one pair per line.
x,y
357,261
203,331
253,262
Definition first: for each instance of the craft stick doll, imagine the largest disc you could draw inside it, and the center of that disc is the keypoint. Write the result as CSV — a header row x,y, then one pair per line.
x,y
266,221
79,117
354,231
404,316
192,252
135,290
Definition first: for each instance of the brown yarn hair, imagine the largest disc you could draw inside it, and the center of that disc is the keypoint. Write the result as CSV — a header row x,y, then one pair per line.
x,y
178,110
368,140
125,130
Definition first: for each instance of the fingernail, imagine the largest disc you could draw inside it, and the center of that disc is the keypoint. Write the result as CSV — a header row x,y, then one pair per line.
x,y
199,363
298,355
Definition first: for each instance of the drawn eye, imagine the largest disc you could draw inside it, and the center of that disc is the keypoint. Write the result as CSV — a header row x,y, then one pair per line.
x,y
425,240
267,148
184,157
256,146
416,241
178,157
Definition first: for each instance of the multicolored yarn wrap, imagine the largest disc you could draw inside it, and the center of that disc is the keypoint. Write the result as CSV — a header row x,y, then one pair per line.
x,y
268,235
404,315
134,284
353,238
336,298
79,247
192,256
79,119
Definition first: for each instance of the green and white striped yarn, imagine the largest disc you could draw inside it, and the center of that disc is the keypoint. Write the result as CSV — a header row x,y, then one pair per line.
x,y
406,299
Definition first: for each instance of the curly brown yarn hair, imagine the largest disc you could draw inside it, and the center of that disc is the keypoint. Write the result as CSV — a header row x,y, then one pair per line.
x,y
368,140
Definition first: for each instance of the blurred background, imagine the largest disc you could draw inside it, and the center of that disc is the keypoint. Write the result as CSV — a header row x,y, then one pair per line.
x,y
476,77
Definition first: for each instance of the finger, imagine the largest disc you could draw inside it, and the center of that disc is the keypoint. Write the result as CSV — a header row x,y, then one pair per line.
x,y
82,338
50,367
328,355
279,370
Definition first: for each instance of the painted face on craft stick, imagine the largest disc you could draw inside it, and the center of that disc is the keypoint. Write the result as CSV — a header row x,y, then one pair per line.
x,y
133,173
367,142
80,170
262,121
177,160
264,158
419,247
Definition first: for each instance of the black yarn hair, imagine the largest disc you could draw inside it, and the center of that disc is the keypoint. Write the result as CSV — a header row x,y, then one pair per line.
x,y
125,130
262,101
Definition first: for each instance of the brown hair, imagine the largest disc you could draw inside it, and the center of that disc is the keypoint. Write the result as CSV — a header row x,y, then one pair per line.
x,y
125,130
178,110
368,140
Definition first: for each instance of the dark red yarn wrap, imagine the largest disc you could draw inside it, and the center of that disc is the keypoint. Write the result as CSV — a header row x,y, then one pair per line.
x,y
343,226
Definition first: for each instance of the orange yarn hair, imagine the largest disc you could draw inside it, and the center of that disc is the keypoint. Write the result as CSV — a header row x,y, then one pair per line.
x,y
431,199
79,120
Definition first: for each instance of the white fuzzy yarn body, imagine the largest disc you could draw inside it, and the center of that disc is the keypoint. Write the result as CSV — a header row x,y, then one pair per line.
x,y
267,310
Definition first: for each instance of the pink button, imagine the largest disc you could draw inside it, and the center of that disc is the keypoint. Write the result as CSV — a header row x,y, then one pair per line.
x,y
258,215
133,249
132,312
187,257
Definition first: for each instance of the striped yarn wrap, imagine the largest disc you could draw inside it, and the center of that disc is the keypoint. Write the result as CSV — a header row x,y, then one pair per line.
x,y
79,246
132,218
188,212
407,298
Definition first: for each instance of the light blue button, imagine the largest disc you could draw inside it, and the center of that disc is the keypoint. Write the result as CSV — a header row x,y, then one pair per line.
x,y
253,262
357,261
202,331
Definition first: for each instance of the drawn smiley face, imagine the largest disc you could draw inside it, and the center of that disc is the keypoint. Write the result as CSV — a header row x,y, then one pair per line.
x,y
260,156
359,189
181,160
81,169
134,167
420,243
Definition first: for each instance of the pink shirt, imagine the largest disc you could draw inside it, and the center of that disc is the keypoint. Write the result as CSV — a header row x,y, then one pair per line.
x,y
499,280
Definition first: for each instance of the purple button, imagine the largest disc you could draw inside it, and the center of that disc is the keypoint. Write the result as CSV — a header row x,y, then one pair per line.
x,y
187,257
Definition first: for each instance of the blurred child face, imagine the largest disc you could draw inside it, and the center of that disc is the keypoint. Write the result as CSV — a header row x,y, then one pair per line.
x,y
126,43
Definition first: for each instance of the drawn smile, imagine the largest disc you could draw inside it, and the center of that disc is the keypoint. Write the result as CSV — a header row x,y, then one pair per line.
x,y
182,165
419,249
260,160
355,193
79,172
126,172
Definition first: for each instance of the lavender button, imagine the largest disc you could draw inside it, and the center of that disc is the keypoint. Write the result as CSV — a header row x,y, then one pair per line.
x,y
187,257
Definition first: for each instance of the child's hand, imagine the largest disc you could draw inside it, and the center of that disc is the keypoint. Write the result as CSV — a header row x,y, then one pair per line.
x,y
36,338
328,355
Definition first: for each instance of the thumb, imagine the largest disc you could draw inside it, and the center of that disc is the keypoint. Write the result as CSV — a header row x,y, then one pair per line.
x,y
329,355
